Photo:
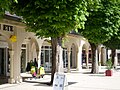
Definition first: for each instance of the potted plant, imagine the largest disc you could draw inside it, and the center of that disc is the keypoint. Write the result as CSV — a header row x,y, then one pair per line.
x,y
109,66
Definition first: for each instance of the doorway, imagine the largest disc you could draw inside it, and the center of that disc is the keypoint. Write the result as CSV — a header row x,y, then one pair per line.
x,y
2,61
23,61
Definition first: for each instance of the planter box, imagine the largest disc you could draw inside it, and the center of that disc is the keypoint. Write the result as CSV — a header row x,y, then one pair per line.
x,y
108,73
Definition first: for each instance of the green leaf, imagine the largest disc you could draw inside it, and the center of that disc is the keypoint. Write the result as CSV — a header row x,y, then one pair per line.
x,y
16,1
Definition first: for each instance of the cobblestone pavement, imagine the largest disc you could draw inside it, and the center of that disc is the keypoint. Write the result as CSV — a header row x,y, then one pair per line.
x,y
76,81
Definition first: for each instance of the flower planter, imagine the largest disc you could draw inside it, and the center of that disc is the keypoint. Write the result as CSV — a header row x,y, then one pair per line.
x,y
108,73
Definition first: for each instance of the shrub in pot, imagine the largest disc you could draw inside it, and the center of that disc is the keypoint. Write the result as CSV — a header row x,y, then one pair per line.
x,y
109,66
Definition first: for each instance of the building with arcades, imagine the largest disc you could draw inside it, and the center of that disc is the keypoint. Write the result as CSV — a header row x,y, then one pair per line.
x,y
17,47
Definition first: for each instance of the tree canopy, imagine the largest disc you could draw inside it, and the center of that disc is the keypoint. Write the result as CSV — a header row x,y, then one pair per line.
x,y
52,18
5,6
113,43
102,22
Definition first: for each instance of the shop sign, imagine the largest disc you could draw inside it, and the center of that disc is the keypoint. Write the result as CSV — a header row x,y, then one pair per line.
x,y
7,28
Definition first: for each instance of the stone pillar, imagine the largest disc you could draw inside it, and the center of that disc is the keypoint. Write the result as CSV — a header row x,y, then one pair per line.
x,y
87,58
73,58
79,59
60,68
116,61
99,56
19,78
11,80
103,56
68,52
17,64
96,63
38,58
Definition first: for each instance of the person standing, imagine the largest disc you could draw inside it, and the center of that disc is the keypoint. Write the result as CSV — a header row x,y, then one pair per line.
x,y
28,68
41,71
33,72
36,65
31,63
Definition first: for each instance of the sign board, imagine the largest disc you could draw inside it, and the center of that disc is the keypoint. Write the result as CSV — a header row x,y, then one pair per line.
x,y
60,82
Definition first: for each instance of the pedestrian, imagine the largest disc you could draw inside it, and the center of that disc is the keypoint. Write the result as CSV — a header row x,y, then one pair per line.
x,y
35,62
28,68
36,65
41,71
33,72
31,63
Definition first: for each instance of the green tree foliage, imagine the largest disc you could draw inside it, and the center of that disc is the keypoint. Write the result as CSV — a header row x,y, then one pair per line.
x,y
103,22
113,43
114,24
52,18
5,6
109,64
114,21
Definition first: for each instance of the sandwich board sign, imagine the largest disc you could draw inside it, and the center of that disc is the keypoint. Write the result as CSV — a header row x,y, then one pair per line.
x,y
60,82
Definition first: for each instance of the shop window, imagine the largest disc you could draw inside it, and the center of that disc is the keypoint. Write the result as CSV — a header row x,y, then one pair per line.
x,y
24,45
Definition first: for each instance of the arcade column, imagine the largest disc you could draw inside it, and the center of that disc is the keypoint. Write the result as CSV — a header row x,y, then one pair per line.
x,y
11,79
68,60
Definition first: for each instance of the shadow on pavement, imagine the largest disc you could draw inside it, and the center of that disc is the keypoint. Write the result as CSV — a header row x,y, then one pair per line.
x,y
98,75
46,83
70,83
92,73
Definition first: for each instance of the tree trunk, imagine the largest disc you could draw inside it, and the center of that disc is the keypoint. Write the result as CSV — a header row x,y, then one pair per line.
x,y
54,55
94,58
57,61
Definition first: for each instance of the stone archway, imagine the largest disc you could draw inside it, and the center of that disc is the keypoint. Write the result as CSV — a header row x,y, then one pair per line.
x,y
71,47
29,51
86,55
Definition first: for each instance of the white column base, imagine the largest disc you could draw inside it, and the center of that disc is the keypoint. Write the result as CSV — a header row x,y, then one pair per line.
x,y
19,79
87,67
68,71
79,68
12,81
